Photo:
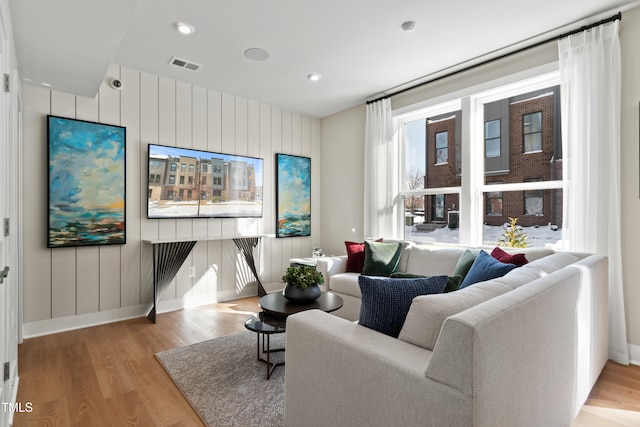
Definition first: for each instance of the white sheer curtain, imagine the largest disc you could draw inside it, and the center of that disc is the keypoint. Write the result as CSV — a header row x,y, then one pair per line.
x,y
381,174
590,68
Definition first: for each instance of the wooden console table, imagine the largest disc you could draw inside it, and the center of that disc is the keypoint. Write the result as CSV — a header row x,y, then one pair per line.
x,y
170,254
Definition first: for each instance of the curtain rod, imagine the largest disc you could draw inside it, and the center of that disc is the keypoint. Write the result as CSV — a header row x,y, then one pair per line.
x,y
615,17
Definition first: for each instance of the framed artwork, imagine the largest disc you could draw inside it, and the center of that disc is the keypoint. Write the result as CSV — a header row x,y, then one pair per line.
x,y
87,183
293,196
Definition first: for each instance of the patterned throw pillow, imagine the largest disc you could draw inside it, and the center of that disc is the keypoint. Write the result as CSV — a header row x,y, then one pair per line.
x,y
386,301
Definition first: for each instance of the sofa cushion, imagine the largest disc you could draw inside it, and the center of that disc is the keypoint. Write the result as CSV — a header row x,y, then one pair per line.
x,y
532,254
484,268
386,301
346,283
553,262
426,261
518,277
517,259
465,262
381,258
427,313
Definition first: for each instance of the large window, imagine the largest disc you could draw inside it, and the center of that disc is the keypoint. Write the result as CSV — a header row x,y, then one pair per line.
x,y
462,187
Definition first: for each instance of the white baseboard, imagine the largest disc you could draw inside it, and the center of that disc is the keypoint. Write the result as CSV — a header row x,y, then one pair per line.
x,y
634,354
70,323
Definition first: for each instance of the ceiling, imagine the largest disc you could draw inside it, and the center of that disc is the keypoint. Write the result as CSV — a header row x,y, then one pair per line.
x,y
358,46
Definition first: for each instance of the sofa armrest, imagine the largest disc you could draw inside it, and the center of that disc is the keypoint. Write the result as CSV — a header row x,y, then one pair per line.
x,y
341,373
330,266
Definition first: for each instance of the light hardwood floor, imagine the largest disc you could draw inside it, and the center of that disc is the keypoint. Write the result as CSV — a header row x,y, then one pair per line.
x,y
108,375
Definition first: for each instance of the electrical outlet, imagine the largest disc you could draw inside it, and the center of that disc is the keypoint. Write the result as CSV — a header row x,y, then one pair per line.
x,y
191,271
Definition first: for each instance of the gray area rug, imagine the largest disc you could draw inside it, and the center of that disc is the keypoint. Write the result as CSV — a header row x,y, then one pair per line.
x,y
225,384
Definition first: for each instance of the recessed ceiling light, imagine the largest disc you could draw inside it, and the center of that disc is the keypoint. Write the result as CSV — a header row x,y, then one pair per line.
x,y
408,26
184,28
46,84
256,54
314,77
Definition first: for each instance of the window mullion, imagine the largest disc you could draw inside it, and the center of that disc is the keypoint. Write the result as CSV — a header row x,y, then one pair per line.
x,y
469,209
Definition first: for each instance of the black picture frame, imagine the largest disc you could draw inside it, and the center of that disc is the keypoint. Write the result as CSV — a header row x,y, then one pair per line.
x,y
86,176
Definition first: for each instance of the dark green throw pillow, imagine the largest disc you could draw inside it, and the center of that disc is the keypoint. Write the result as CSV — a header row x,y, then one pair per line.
x,y
464,263
453,284
381,258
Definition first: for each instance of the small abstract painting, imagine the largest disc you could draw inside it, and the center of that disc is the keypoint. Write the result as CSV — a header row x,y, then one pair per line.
x,y
86,183
293,195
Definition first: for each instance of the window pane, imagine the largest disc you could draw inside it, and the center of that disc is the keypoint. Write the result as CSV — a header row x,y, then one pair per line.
x,y
438,207
432,218
492,129
442,147
532,122
492,147
534,202
532,142
542,226
415,144
494,203
521,131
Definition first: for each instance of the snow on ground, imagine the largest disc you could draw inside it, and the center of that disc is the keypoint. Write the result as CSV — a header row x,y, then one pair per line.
x,y
536,236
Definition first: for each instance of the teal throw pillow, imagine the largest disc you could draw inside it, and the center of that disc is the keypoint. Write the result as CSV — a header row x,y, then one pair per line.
x,y
465,262
386,301
485,267
381,258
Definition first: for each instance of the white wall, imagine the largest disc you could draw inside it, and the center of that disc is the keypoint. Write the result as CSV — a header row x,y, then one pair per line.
x,y
344,133
66,288
342,179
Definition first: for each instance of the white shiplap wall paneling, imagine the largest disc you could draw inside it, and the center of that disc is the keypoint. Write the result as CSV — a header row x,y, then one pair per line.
x,y
110,256
88,259
130,113
149,134
37,259
116,279
63,260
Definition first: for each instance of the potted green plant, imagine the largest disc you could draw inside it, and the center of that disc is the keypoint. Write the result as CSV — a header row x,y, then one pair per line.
x,y
302,283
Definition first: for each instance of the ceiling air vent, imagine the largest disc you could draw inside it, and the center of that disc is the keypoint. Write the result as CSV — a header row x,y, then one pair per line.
x,y
183,63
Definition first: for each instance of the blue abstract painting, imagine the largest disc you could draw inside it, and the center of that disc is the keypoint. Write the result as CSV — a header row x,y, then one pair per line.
x,y
86,183
293,195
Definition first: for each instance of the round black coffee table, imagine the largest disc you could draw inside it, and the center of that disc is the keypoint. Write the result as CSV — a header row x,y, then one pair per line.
x,y
273,320
278,304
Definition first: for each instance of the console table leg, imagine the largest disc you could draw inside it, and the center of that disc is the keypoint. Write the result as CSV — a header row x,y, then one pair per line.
x,y
167,260
246,245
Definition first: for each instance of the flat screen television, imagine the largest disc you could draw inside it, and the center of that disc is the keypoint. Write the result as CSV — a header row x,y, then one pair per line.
x,y
189,183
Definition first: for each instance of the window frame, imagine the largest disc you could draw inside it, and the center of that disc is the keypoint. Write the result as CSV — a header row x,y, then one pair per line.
x,y
473,189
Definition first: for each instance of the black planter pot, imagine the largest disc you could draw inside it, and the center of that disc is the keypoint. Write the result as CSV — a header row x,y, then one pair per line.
x,y
300,295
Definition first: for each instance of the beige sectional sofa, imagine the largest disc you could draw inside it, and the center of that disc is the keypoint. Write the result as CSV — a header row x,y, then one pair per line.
x,y
522,350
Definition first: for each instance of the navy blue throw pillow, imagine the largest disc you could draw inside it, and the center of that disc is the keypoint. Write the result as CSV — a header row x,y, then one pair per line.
x,y
386,301
485,267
